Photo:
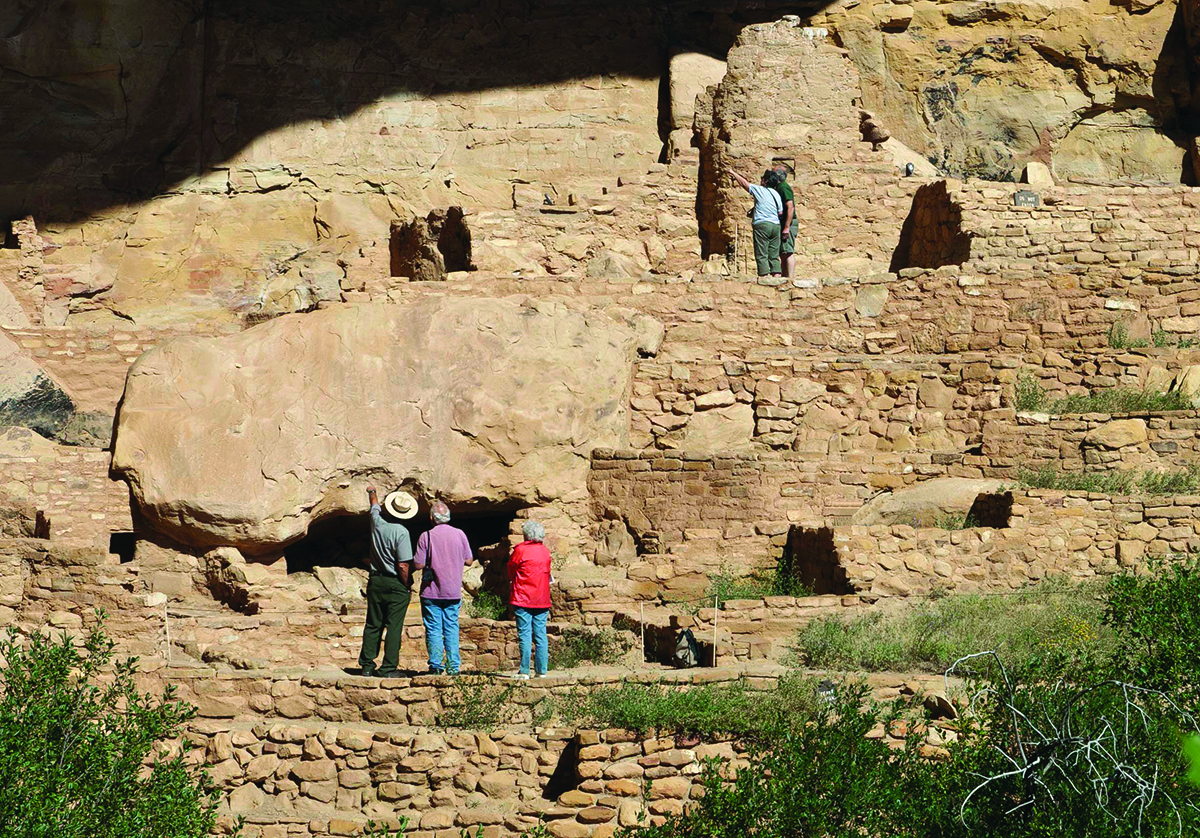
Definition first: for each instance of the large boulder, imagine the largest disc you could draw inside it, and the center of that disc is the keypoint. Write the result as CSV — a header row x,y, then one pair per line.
x,y
244,440
927,503
28,395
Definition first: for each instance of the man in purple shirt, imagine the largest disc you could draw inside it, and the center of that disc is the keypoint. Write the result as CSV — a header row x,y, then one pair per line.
x,y
443,552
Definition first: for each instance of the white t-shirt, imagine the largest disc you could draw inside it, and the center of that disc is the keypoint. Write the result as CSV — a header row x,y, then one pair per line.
x,y
767,204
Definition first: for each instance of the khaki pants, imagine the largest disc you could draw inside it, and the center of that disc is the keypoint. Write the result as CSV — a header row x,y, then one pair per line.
x,y
766,248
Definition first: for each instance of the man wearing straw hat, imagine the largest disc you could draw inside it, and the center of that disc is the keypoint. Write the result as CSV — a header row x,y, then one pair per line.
x,y
389,587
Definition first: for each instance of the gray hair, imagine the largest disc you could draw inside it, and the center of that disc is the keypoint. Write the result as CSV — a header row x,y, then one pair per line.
x,y
533,531
440,513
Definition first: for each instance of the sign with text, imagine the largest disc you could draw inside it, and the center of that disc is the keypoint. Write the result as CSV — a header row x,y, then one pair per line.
x,y
1025,198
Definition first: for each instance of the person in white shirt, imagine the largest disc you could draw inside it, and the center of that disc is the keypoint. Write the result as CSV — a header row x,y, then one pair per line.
x,y
768,206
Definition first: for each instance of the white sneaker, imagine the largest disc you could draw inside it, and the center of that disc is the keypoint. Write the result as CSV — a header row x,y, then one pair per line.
x,y
520,676
541,675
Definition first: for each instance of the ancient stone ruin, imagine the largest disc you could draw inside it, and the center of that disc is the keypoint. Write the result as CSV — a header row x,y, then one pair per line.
x,y
494,259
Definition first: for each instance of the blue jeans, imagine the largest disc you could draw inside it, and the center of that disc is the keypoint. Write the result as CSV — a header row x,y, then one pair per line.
x,y
531,628
440,617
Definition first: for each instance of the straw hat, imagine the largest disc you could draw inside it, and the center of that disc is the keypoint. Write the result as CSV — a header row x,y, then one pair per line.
x,y
400,505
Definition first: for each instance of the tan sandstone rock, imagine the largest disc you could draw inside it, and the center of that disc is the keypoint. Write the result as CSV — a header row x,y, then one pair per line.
x,y
925,503
720,429
1117,434
245,440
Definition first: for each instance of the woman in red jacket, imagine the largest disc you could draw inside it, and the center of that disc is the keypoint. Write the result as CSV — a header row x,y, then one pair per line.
x,y
529,578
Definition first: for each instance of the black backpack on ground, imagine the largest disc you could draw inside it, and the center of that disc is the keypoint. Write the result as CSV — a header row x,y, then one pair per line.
x,y
687,650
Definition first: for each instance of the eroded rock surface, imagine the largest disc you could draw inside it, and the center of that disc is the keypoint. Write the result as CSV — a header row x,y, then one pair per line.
x,y
245,440
1098,89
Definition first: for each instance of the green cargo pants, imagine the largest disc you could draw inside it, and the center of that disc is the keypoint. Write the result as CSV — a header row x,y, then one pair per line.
x,y
766,248
387,603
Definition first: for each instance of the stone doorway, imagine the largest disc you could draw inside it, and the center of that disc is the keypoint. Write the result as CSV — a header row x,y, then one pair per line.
x,y
810,558
932,235
429,249
991,510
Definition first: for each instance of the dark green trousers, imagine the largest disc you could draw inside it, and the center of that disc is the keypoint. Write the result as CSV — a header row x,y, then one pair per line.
x,y
387,603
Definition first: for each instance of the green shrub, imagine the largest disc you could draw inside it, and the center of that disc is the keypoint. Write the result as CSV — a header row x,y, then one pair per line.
x,y
1118,482
581,645
782,580
1055,620
477,703
707,709
1030,396
1039,759
82,750
821,778
1165,339
488,606
1157,616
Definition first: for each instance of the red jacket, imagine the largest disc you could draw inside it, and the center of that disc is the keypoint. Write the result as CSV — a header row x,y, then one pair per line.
x,y
529,575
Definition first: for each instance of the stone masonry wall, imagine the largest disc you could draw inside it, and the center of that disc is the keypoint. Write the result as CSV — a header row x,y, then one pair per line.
x,y
789,96
1094,442
71,485
349,750
1050,532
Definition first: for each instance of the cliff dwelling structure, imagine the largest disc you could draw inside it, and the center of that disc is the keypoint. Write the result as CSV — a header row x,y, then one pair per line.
x,y
259,255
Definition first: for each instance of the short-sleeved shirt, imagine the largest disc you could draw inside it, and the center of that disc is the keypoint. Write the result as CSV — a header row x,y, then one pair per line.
x,y
443,551
767,206
390,543
785,195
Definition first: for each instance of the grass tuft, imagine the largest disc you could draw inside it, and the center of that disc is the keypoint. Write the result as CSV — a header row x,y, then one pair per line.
x,y
762,582
1055,619
477,703
1118,338
1163,340
1031,397
1183,482
736,708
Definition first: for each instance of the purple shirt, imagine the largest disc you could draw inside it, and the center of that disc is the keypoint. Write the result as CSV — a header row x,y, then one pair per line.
x,y
443,552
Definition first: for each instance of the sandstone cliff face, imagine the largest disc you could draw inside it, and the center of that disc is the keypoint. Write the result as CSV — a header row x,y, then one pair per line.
x,y
474,400
1095,89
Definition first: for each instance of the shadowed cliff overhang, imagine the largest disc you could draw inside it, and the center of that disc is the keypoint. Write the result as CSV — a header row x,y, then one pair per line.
x,y
114,101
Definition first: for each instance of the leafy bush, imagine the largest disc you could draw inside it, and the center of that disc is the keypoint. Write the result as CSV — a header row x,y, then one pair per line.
x,y
1093,756
488,606
705,709
823,778
1053,621
82,750
477,703
1158,617
1034,760
1121,482
581,645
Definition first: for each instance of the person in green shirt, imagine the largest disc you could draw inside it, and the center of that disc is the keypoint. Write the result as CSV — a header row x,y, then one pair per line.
x,y
789,225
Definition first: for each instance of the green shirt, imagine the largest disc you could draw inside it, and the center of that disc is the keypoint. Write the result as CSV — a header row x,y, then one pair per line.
x,y
786,194
391,544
